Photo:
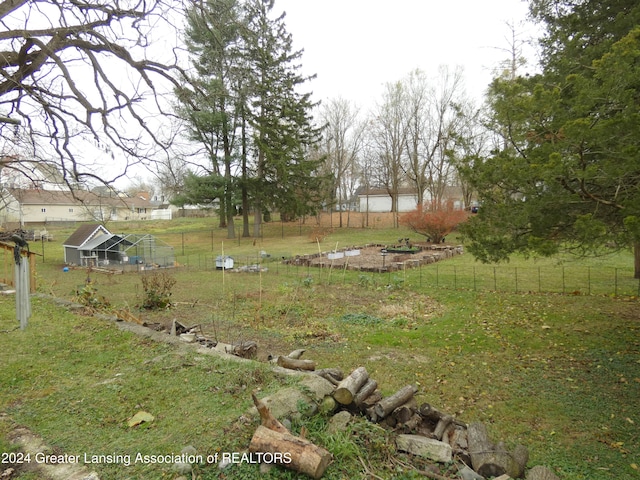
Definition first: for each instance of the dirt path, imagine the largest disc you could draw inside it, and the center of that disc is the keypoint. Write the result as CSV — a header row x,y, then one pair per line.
x,y
33,460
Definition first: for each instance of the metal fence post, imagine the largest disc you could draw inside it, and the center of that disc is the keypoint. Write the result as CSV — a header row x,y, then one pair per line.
x,y
22,285
474,278
495,281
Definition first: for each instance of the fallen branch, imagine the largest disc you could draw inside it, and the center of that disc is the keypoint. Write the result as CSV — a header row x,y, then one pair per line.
x,y
267,419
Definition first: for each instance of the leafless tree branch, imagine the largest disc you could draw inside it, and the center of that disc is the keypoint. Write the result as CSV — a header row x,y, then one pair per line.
x,y
78,72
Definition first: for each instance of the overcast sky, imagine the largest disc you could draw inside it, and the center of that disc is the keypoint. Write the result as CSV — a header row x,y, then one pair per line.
x,y
356,46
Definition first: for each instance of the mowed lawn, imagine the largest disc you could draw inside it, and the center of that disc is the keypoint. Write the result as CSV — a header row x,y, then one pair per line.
x,y
559,373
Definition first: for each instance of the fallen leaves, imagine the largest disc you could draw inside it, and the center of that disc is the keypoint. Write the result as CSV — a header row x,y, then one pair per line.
x,y
139,418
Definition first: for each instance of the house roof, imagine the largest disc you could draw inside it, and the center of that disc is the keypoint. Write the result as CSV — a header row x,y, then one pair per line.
x,y
449,191
385,192
78,197
83,234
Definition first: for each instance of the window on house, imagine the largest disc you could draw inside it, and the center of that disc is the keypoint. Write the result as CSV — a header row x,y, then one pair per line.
x,y
71,210
43,210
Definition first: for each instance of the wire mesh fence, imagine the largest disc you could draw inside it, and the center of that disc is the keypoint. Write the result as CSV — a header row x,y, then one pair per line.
x,y
568,280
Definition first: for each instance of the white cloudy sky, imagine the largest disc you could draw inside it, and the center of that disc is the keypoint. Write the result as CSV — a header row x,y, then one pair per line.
x,y
356,46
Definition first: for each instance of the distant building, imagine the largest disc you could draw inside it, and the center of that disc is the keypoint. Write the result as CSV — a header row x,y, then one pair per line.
x,y
92,245
33,206
378,200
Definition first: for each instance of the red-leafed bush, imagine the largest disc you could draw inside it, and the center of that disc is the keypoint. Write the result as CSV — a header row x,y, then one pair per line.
x,y
434,221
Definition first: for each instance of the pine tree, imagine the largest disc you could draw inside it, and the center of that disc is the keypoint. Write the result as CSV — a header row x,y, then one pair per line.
x,y
214,43
568,174
282,129
251,117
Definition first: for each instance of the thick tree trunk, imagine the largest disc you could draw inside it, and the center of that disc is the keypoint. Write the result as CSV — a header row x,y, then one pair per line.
x,y
636,260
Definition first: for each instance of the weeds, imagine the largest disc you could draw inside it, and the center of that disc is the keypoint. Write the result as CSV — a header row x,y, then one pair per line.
x,y
157,290
360,319
88,296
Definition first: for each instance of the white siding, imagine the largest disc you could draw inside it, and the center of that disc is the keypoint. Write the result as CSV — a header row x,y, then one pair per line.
x,y
382,203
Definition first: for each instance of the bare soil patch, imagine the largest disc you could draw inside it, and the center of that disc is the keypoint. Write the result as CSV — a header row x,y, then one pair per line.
x,y
380,257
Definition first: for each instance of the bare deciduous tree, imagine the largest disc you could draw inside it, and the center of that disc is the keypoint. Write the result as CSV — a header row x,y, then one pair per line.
x,y
388,135
443,128
77,81
343,141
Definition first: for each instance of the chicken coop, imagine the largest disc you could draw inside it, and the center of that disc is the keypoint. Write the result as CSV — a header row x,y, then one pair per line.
x,y
95,246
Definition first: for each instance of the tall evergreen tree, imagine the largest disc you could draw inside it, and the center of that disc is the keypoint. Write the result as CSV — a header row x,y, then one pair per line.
x,y
568,174
252,116
286,177
213,36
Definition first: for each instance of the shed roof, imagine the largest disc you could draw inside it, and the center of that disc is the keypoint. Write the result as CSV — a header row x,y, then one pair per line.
x,y
83,234
97,241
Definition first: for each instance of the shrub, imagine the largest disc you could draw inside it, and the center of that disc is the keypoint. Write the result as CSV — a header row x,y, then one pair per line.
x,y
157,290
434,221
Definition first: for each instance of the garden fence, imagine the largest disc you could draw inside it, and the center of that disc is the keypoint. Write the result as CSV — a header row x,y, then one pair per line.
x,y
568,280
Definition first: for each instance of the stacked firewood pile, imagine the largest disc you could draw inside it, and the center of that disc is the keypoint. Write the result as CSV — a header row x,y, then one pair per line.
x,y
422,429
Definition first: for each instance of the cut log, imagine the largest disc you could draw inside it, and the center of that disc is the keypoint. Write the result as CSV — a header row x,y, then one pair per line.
x,y
266,418
292,452
295,364
424,447
490,460
334,375
296,354
521,456
432,414
403,414
245,349
334,372
387,405
541,473
327,405
347,388
367,389
442,426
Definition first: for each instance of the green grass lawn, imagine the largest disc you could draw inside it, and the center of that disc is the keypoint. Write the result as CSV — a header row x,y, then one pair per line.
x,y
557,373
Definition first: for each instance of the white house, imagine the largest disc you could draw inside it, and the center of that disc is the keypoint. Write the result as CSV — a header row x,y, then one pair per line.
x,y
28,206
376,200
